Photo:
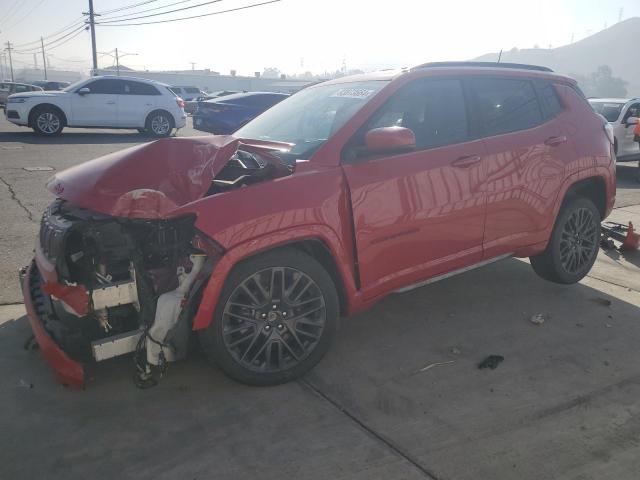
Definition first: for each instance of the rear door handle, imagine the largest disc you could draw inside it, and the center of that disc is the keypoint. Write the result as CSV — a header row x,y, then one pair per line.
x,y
555,141
111,103
466,161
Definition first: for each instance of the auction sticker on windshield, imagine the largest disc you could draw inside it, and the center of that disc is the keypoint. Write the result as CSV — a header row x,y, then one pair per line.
x,y
353,93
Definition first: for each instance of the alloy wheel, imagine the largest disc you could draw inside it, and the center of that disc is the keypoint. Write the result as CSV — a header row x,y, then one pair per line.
x,y
579,240
160,125
48,122
274,319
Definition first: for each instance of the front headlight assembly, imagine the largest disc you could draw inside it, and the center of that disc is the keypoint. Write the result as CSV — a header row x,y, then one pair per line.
x,y
16,100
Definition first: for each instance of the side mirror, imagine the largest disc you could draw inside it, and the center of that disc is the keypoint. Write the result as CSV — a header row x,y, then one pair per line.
x,y
84,90
632,121
389,140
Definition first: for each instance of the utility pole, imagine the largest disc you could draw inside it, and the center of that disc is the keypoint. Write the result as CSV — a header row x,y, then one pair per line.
x,y
1,67
117,63
193,66
92,26
35,60
10,60
44,59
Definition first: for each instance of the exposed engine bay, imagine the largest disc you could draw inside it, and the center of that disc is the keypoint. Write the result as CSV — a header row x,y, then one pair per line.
x,y
135,282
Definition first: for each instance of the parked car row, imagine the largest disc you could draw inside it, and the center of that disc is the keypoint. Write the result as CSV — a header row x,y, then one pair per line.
x,y
332,199
190,106
9,88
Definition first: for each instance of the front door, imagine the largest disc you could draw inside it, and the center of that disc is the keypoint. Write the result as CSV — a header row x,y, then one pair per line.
x,y
99,107
421,213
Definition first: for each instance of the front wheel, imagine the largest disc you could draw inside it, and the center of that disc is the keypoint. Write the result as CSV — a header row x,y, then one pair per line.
x,y
573,246
47,121
159,123
275,318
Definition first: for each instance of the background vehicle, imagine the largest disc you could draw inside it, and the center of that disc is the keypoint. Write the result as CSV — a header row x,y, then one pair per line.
x,y
343,193
225,115
9,88
100,102
192,105
623,115
49,85
187,93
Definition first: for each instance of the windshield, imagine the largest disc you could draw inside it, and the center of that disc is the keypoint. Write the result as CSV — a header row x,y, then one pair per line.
x,y
308,118
610,111
73,86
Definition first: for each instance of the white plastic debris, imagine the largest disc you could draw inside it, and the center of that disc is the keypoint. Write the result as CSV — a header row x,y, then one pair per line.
x,y
537,319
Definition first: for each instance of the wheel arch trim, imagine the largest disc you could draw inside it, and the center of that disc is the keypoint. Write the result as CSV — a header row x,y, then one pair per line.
x,y
289,237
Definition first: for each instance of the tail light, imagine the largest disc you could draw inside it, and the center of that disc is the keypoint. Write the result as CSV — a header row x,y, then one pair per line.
x,y
180,102
608,129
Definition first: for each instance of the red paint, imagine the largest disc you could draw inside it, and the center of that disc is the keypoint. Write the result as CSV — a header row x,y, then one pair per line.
x,y
388,222
67,371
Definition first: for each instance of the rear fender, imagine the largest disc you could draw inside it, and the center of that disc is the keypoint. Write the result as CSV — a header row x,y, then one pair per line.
x,y
231,258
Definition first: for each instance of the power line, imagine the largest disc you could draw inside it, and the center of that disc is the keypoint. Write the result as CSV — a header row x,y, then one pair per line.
x,y
162,13
75,23
24,16
35,49
10,11
188,18
148,9
127,7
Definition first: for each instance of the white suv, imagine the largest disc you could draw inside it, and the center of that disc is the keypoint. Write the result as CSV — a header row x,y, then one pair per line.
x,y
623,115
100,102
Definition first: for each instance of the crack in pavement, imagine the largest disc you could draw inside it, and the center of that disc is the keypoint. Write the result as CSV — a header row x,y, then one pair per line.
x,y
17,200
385,441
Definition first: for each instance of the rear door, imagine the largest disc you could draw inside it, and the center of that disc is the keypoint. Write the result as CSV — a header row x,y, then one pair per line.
x,y
137,101
99,107
526,154
627,145
421,213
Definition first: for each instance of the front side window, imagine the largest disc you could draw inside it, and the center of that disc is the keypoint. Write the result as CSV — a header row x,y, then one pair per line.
x,y
192,90
106,86
434,109
632,111
506,104
310,117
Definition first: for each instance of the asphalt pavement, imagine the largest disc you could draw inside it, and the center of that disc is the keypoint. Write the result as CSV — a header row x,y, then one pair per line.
x,y
399,395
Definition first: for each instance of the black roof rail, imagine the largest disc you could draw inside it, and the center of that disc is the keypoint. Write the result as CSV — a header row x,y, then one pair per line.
x,y
520,66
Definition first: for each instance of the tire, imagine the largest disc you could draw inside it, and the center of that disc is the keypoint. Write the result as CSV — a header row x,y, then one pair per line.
x,y
47,121
574,243
159,124
272,331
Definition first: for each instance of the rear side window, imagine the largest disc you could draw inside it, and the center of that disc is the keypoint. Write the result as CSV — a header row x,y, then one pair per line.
x,y
106,86
506,104
138,88
549,98
434,109
192,90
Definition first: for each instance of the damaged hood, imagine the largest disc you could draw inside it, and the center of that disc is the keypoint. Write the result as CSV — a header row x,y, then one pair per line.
x,y
146,181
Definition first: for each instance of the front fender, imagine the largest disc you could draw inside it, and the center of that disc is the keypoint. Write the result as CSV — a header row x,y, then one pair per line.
x,y
231,258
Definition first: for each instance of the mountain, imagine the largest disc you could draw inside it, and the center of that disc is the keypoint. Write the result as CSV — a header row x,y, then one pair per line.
x,y
616,46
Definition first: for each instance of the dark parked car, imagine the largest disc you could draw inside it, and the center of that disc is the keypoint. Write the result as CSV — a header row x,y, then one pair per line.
x,y
192,105
226,115
51,85
343,193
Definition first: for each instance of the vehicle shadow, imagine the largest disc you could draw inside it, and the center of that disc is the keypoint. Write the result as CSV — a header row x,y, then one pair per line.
x,y
76,138
628,175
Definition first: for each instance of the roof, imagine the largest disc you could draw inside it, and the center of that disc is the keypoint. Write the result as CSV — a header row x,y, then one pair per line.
x,y
515,66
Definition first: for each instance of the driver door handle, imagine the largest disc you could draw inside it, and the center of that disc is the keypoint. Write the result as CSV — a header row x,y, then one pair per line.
x,y
555,141
466,161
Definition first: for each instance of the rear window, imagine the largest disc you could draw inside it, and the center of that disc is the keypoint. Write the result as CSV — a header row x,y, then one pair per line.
x,y
609,110
506,104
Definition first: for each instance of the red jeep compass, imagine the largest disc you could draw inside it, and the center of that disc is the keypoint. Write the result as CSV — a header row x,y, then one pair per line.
x,y
341,194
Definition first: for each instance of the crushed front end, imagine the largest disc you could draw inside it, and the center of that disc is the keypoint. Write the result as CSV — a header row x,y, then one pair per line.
x,y
101,286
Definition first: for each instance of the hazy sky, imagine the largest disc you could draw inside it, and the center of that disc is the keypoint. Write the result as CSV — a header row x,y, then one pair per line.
x,y
315,35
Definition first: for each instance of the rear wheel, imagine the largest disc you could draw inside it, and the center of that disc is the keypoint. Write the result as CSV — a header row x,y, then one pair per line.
x,y
47,121
573,246
275,319
159,123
